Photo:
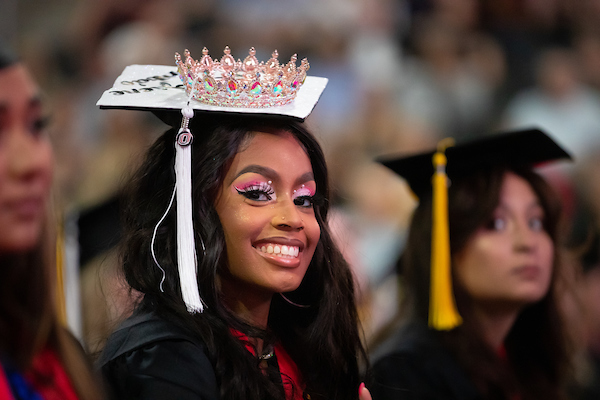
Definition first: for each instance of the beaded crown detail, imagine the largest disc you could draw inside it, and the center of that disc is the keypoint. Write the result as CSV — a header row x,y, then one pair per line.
x,y
247,83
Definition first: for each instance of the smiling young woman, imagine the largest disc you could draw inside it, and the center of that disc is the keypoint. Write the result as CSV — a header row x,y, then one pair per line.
x,y
271,232
279,319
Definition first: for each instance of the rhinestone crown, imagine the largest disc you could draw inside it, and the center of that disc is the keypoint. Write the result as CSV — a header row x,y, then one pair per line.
x,y
247,83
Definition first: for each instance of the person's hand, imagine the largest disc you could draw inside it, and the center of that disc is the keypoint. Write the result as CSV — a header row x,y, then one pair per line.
x,y
363,393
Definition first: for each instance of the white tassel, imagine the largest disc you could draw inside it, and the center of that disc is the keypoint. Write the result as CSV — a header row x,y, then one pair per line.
x,y
186,250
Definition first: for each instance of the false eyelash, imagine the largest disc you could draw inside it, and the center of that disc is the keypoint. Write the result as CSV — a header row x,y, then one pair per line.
x,y
311,200
260,187
256,189
318,200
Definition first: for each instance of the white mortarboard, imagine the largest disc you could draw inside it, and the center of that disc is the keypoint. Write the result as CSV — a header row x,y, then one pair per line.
x,y
159,88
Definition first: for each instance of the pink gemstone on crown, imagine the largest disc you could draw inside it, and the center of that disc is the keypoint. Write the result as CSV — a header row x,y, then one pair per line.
x,y
278,88
232,86
250,83
209,86
255,88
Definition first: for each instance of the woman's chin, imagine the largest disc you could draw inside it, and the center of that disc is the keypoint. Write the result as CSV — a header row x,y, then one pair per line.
x,y
21,239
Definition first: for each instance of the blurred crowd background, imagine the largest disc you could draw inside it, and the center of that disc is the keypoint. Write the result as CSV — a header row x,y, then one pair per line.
x,y
403,74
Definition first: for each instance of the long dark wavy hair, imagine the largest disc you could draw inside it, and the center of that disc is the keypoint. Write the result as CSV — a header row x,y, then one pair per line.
x,y
536,346
322,339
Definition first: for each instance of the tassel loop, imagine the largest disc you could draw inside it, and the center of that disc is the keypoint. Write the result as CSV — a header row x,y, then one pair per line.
x,y
186,248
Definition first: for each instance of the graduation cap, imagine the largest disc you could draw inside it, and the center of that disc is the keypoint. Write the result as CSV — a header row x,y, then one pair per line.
x,y
177,93
159,89
529,147
98,229
431,172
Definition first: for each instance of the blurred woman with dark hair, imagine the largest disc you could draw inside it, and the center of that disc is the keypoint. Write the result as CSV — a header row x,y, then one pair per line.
x,y
501,335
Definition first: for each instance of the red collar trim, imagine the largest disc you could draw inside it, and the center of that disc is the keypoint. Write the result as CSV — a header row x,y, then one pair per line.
x,y
293,382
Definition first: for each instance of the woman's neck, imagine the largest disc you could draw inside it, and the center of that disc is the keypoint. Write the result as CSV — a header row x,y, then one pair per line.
x,y
495,325
254,313
251,306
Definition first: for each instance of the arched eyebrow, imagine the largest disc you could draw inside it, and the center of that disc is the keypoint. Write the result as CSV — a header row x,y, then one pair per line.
x,y
306,177
258,169
271,173
34,105
535,206
34,102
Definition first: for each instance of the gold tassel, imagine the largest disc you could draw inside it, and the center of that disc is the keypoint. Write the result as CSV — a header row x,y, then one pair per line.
x,y
443,314
60,276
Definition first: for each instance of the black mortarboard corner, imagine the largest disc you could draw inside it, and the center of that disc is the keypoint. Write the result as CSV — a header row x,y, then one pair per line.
x,y
7,57
529,147
174,93
431,172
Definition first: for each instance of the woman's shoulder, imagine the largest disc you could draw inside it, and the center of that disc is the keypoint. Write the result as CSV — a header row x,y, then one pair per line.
x,y
143,330
414,364
413,338
149,357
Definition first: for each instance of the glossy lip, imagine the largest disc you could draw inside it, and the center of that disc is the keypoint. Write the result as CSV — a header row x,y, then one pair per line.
x,y
287,262
529,272
26,207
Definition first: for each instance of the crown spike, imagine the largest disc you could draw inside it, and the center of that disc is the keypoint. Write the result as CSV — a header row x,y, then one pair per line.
x,y
227,61
290,68
304,65
205,62
250,62
272,65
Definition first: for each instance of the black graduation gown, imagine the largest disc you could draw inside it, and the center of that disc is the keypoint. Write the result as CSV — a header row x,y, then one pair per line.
x,y
414,365
152,359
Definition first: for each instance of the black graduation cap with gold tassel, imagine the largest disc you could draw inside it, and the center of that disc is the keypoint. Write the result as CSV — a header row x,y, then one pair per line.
x,y
430,174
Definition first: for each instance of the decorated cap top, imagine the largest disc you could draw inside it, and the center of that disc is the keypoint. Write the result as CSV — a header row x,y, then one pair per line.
x,y
225,85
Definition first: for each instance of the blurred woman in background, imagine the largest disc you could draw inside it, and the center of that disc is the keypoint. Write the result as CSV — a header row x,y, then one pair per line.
x,y
508,340
39,359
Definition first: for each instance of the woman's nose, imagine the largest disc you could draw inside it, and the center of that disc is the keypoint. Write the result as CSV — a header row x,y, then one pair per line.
x,y
287,216
525,237
27,155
